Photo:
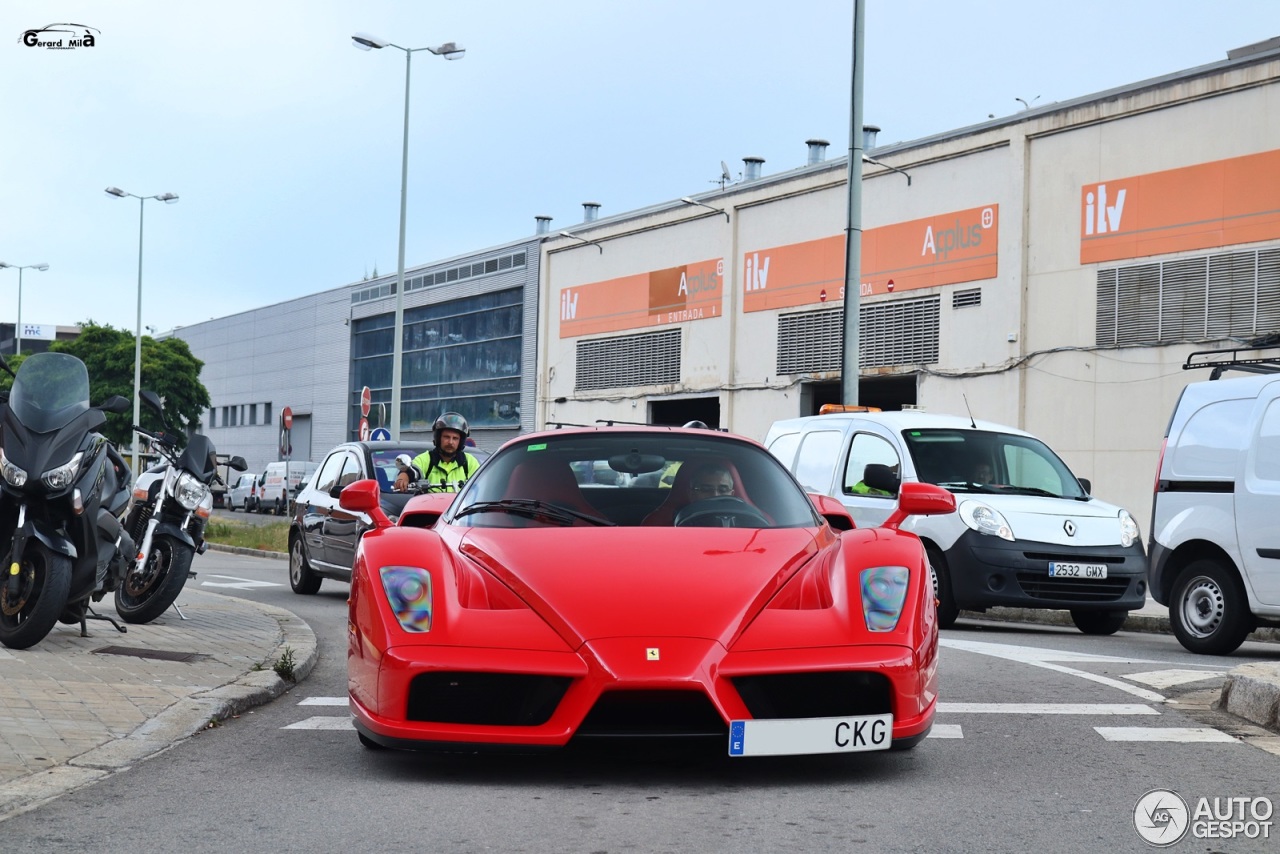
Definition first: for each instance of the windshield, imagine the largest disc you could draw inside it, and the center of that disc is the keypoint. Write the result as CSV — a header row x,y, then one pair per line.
x,y
990,462
49,391
629,478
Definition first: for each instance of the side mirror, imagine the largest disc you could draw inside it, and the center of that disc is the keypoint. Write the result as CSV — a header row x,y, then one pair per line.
x,y
152,400
921,499
364,496
237,463
116,404
880,476
1085,485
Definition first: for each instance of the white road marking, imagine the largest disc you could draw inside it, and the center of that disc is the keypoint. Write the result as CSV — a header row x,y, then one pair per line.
x,y
334,723
1046,709
323,701
1046,658
946,731
238,583
1169,678
1179,734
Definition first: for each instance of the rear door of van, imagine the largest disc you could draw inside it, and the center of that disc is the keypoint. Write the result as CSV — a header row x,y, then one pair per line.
x,y
1258,498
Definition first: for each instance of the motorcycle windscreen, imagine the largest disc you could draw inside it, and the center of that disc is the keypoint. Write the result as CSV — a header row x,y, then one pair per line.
x,y
199,457
50,390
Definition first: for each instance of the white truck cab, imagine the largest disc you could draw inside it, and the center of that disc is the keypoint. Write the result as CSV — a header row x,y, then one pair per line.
x,y
1215,518
1026,532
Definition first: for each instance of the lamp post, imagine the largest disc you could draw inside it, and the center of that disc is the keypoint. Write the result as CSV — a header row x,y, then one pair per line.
x,y
448,50
17,329
167,198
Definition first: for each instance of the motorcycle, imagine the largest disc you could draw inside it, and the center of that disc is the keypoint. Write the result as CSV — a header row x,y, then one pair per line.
x,y
63,489
171,509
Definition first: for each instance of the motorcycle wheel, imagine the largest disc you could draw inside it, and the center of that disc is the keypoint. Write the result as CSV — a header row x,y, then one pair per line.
x,y
44,583
142,597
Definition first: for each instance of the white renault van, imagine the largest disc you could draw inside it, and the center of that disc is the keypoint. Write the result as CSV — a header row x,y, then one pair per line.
x,y
1026,533
1215,519
280,482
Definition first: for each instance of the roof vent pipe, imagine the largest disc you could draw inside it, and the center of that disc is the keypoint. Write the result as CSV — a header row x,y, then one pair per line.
x,y
544,224
869,136
817,150
590,211
752,170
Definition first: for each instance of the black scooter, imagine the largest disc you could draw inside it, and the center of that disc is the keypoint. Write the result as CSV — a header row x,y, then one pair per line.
x,y
63,490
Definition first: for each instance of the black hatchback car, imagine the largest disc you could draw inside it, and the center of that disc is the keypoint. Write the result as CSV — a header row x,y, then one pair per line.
x,y
323,536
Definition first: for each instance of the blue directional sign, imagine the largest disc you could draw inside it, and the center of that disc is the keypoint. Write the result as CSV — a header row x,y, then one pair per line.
x,y
381,434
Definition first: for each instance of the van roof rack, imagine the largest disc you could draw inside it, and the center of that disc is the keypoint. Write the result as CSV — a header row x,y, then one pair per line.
x,y
1234,362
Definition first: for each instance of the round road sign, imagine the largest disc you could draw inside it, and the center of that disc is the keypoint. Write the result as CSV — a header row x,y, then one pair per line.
x,y
366,401
364,429
287,416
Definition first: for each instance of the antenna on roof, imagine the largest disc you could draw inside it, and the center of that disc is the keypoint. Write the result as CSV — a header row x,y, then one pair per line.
x,y
972,423
725,176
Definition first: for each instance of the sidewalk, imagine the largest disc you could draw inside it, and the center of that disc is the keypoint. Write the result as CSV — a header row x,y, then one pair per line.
x,y
74,710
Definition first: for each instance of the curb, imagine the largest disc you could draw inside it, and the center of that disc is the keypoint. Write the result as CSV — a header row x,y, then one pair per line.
x,y
241,550
184,719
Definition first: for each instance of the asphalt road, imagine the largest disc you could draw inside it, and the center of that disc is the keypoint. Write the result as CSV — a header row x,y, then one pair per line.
x,y
1042,743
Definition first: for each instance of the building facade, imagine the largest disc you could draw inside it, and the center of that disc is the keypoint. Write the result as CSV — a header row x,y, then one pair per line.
x,y
1050,271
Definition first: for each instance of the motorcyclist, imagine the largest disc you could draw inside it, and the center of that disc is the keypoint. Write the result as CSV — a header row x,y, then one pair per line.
x,y
446,466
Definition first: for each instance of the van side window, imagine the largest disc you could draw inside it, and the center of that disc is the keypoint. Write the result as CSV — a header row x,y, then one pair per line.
x,y
1267,449
784,448
819,455
1212,439
866,449
328,477
1030,470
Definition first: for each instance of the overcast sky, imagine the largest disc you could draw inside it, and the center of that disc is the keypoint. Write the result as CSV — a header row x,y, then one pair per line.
x,y
283,141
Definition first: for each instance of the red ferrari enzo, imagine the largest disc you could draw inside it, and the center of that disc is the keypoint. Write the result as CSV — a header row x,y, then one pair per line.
x,y
640,582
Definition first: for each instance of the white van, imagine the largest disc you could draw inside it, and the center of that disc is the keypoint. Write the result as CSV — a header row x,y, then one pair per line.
x,y
1215,520
280,483
1026,533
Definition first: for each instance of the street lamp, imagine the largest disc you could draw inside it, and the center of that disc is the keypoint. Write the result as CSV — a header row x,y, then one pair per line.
x,y
17,330
448,50
167,198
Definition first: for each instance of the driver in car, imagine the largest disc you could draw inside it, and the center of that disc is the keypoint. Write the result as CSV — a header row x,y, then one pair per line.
x,y
712,481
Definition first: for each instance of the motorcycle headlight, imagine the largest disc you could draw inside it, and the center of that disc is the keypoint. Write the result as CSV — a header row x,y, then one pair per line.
x,y
408,590
1129,533
13,475
64,475
985,519
189,491
884,590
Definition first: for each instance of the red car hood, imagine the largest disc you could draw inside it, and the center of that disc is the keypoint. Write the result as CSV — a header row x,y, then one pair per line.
x,y
591,583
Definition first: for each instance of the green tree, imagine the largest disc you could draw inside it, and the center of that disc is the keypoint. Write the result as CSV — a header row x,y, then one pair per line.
x,y
168,368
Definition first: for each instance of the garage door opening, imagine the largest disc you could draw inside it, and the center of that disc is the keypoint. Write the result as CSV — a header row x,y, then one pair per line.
x,y
887,393
673,413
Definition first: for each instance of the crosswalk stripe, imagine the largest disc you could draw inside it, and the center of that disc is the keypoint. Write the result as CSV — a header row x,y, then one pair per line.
x,y
1179,734
323,701
946,731
334,723
1170,678
1046,709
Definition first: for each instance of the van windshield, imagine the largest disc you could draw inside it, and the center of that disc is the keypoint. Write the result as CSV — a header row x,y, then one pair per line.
x,y
989,462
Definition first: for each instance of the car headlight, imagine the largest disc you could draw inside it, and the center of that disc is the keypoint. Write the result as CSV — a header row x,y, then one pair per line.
x,y
63,476
189,491
985,519
884,590
1129,533
408,590
11,473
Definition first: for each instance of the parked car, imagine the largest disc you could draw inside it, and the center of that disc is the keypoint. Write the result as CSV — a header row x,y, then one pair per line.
x,y
1215,521
279,483
322,535
530,610
242,491
1026,533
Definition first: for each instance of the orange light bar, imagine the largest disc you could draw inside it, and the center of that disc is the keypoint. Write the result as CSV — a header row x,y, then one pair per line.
x,y
828,408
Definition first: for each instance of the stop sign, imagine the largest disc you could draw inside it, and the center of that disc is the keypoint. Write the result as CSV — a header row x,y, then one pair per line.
x,y
287,416
366,401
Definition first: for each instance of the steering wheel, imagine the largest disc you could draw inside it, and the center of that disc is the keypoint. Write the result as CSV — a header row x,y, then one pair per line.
x,y
723,511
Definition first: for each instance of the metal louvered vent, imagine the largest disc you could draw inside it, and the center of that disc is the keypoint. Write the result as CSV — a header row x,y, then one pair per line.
x,y
1208,296
649,359
900,332
966,298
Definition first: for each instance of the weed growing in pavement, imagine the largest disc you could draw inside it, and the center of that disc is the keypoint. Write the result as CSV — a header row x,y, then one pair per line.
x,y
285,665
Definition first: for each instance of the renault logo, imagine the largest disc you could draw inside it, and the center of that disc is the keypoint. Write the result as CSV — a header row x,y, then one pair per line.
x,y
1069,527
